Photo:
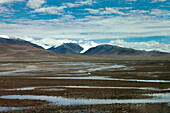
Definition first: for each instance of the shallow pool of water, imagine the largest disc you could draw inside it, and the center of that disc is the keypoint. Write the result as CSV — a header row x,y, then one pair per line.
x,y
50,88
21,89
157,98
104,78
105,67
14,72
6,109
53,89
98,87
73,63
21,70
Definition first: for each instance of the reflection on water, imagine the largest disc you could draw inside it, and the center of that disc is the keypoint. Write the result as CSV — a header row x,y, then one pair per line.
x,y
6,64
6,109
105,67
21,89
78,70
91,69
81,68
98,87
53,89
104,78
31,67
15,71
157,98
74,74
50,88
19,70
75,63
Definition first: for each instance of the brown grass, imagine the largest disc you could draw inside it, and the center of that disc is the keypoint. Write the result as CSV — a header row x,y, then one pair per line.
x,y
109,108
141,70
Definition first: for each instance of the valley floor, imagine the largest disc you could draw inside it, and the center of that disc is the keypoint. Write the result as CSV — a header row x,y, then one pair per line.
x,y
141,86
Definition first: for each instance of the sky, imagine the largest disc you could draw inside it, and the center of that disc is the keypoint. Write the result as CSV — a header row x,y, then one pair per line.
x,y
139,24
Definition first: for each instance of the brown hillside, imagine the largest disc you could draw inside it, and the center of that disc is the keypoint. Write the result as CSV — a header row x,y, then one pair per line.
x,y
20,52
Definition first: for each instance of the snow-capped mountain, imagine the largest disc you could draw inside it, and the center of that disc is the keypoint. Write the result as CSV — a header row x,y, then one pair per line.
x,y
88,45
4,39
112,50
47,43
67,48
116,50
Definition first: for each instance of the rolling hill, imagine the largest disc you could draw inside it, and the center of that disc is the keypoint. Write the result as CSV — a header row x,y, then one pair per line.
x,y
20,52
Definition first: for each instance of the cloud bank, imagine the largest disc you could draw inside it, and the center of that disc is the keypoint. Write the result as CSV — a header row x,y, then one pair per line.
x,y
147,46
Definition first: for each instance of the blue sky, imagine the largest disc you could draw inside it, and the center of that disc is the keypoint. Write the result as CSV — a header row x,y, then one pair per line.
x,y
95,20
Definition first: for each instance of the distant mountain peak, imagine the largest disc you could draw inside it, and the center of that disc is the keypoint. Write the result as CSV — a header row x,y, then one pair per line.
x,y
10,37
107,49
67,48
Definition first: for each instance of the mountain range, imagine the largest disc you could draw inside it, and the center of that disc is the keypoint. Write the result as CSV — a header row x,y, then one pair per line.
x,y
18,47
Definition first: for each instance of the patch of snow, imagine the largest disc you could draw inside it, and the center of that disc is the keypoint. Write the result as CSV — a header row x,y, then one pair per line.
x,y
4,36
47,43
88,45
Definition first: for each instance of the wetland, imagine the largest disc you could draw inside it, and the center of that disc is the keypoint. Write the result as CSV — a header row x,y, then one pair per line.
x,y
92,86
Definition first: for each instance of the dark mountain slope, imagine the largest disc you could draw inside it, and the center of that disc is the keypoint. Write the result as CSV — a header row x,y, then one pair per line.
x,y
115,50
112,50
158,52
18,42
67,48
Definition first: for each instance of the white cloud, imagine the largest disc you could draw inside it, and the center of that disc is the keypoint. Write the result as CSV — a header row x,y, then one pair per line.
x,y
79,3
138,11
120,11
90,27
110,10
93,11
60,9
87,2
153,1
107,10
50,10
10,1
148,46
67,17
3,9
159,12
131,0
35,3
